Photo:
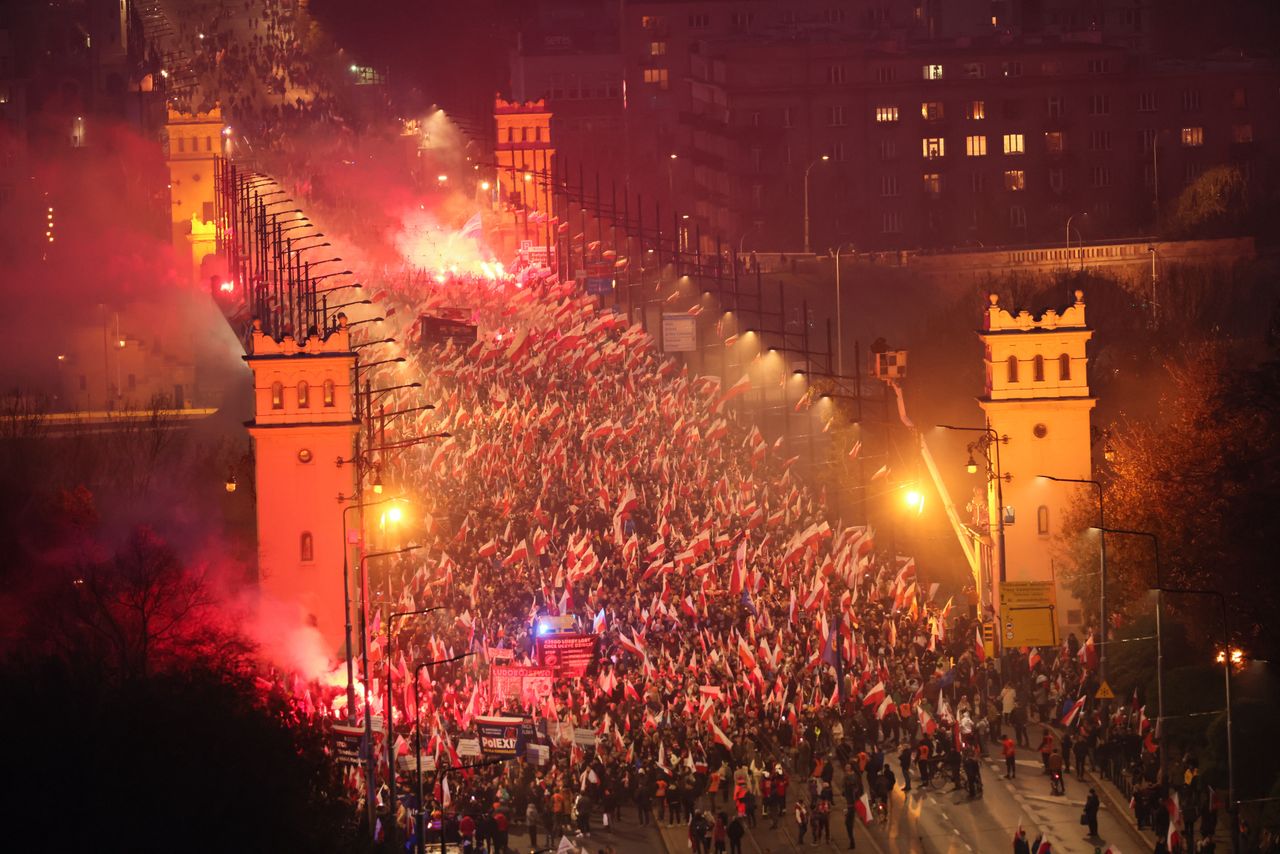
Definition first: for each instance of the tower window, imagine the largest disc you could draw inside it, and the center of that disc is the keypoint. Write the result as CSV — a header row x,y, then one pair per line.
x,y
1012,363
277,396
304,395
1039,369
328,392
1064,367
306,548
1042,520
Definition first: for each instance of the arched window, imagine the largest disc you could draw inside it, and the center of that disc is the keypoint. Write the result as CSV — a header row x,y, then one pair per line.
x,y
328,392
1064,367
1013,369
277,395
304,395
1042,519
1039,369
306,548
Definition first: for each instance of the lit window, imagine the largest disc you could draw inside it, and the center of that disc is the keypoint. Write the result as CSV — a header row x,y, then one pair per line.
x,y
1011,369
328,393
1064,367
1193,137
657,48
886,114
933,147
1242,133
656,77
1015,179
932,72
931,111
976,110
933,184
1013,143
304,395
650,22
975,146
306,547
277,395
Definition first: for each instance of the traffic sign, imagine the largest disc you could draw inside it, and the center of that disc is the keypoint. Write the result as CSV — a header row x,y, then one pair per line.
x,y
1028,613
1104,692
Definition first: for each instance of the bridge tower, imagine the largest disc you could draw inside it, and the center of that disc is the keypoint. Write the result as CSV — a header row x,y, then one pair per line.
x,y
1037,395
304,420
192,141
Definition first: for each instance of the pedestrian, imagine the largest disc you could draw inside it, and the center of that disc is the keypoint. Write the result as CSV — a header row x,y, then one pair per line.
x,y
1010,751
850,815
1046,749
531,819
802,821
1066,751
1090,816
736,832
904,761
720,834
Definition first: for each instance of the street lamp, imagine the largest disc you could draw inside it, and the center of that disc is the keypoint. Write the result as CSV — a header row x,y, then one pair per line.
x,y
370,780
821,159
391,759
293,248
1155,545
391,340
839,313
1228,659
417,731
990,437
1073,216
1102,560
671,180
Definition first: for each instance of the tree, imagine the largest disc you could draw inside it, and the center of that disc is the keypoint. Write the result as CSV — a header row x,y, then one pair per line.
x,y
1213,204
1205,478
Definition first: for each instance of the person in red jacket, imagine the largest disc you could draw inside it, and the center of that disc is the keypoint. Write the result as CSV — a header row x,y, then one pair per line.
x,y
467,832
1010,751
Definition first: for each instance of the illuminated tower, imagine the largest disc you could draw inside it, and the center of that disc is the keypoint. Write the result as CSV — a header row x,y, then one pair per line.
x,y
523,153
1037,394
303,422
192,141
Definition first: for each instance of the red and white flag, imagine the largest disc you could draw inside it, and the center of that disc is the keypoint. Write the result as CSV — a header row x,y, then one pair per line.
x,y
1076,707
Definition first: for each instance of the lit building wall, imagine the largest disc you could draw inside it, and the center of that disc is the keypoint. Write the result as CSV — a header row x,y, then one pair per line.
x,y
303,424
1037,394
191,143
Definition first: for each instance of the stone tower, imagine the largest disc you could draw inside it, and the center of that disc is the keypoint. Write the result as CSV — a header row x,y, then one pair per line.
x,y
304,422
192,141
1037,394
524,152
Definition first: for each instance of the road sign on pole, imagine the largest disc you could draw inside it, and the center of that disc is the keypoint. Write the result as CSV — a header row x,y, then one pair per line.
x,y
1028,614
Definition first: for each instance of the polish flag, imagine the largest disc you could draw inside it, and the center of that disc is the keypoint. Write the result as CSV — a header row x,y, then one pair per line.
x,y
979,651
927,723
875,695
741,387
1174,839
489,549
599,623
886,708
863,807
720,736
1071,714
630,645
1089,653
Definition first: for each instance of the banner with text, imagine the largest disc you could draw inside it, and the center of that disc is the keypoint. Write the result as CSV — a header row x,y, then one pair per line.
x,y
503,736
528,685
568,654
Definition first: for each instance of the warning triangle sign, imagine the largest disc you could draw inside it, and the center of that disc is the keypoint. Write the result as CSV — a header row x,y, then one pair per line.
x,y
1104,692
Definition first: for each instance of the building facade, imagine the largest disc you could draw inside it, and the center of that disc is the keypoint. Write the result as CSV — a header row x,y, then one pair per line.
x,y
1038,405
304,420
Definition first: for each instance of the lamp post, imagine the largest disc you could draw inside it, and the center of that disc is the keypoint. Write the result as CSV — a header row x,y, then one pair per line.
x,y
990,437
807,169
391,758
1226,677
839,314
417,732
370,777
671,180
1102,561
1081,241
1155,545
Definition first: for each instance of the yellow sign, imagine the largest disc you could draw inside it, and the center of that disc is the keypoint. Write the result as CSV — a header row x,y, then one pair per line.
x,y
989,638
1104,692
1028,614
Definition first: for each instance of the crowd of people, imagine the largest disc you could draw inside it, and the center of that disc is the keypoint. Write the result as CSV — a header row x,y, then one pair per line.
x,y
758,661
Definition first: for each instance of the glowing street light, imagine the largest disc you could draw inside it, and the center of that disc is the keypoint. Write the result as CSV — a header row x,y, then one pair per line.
x,y
821,159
